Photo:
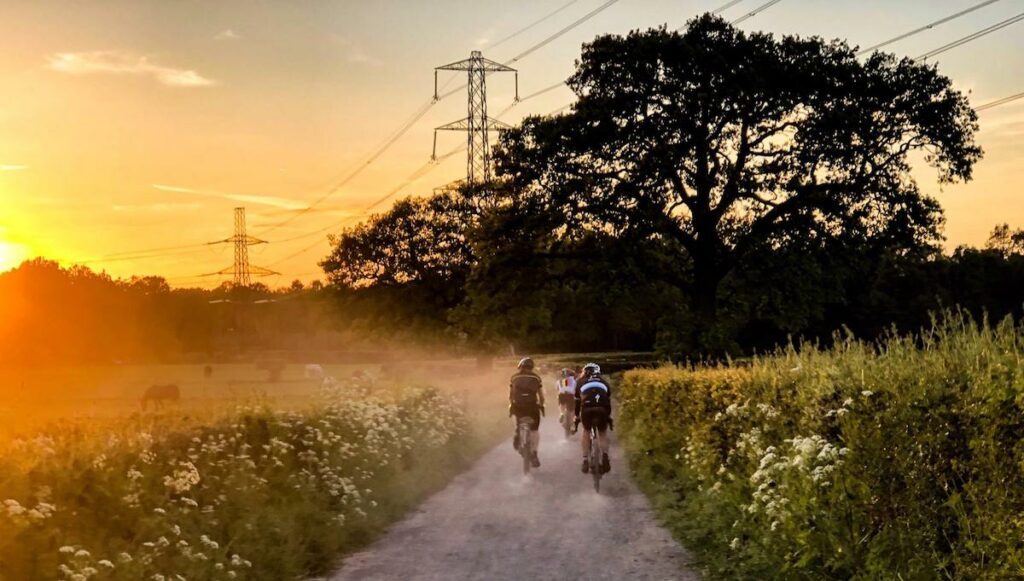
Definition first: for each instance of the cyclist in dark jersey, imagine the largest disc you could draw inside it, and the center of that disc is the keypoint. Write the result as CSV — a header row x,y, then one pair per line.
x,y
526,399
594,408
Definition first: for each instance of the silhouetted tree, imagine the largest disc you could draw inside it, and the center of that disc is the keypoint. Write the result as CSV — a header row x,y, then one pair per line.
x,y
407,265
718,143
1006,241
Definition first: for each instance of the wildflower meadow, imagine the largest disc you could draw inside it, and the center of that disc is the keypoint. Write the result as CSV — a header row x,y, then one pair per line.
x,y
897,460
252,492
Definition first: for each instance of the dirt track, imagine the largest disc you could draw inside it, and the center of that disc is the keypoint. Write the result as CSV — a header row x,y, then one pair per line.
x,y
492,523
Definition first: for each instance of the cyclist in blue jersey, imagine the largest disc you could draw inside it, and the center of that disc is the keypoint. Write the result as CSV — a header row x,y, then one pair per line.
x,y
594,408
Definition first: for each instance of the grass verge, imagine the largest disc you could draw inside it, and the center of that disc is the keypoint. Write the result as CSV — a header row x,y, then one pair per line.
x,y
255,493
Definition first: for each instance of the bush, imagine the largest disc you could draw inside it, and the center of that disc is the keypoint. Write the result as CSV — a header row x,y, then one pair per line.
x,y
258,494
897,460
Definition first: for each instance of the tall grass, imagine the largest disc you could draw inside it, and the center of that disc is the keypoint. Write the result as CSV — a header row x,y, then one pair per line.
x,y
257,494
902,460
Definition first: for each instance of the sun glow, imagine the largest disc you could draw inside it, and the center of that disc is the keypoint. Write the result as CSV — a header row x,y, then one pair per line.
x,y
12,254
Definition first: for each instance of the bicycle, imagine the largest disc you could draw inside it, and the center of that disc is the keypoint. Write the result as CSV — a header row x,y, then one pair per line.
x,y
567,416
523,426
595,461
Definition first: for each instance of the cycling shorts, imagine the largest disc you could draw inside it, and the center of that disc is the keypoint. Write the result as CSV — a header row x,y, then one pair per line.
x,y
596,416
532,412
566,399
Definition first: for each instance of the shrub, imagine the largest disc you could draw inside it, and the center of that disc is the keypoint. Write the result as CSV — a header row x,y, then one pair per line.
x,y
897,460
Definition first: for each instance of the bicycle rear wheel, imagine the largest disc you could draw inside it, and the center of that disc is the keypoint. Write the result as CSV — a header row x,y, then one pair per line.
x,y
596,466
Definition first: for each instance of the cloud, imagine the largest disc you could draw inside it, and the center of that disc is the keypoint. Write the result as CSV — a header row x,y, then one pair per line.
x,y
12,167
227,34
248,198
113,62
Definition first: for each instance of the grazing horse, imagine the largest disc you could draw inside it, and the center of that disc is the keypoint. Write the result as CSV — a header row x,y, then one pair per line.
x,y
158,395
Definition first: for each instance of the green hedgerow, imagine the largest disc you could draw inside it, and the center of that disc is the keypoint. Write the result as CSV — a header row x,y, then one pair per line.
x,y
902,460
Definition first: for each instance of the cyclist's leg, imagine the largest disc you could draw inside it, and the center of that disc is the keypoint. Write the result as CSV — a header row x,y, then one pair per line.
x,y
602,441
585,439
535,430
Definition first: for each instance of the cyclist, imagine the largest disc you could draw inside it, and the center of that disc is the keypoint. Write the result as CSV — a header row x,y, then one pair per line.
x,y
566,394
526,399
594,408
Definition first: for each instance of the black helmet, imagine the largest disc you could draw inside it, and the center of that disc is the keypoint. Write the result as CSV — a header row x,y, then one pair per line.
x,y
526,363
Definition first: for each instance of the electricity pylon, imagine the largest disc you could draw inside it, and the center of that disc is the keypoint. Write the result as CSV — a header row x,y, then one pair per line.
x,y
241,270
476,124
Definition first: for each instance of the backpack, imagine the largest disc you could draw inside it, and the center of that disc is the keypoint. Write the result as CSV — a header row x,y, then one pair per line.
x,y
524,391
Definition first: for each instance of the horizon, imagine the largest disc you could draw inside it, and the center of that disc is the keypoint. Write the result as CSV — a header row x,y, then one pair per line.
x,y
137,126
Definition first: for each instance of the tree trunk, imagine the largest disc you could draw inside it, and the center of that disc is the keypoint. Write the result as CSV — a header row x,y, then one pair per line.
x,y
704,306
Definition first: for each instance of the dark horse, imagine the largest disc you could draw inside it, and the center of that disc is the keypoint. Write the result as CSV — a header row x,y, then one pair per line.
x,y
158,395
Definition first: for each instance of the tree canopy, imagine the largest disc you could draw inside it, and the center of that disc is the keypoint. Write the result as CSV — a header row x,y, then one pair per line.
x,y
718,143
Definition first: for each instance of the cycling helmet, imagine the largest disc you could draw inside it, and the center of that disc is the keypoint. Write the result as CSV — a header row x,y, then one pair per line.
x,y
566,372
591,369
526,363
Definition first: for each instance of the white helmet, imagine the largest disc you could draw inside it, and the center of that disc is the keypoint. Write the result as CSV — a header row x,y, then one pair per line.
x,y
591,369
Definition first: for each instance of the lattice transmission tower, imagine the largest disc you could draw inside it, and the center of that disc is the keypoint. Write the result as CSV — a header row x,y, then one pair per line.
x,y
476,124
241,271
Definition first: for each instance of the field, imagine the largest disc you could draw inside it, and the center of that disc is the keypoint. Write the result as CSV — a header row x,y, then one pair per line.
x,y
30,395
902,460
244,478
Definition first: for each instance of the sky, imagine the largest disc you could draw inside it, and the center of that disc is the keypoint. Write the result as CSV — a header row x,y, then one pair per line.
x,y
137,125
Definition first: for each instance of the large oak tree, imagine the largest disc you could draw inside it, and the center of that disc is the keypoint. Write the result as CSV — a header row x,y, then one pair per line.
x,y
718,143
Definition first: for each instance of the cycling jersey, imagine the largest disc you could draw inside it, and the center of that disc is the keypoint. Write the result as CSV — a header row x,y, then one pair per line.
x,y
526,397
593,391
567,385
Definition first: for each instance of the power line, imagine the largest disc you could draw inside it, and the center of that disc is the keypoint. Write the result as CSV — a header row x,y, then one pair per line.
x,y
161,249
999,102
756,11
725,6
419,114
543,42
928,26
542,91
137,257
420,172
971,37
563,30
530,26
426,107
716,11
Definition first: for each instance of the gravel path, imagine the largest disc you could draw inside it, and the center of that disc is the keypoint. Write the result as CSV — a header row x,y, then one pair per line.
x,y
492,523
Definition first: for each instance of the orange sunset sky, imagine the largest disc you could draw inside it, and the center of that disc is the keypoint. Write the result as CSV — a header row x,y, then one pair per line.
x,y
139,124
